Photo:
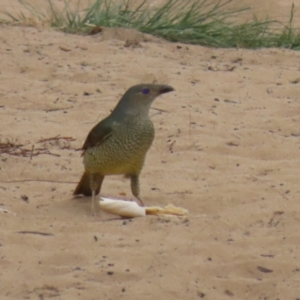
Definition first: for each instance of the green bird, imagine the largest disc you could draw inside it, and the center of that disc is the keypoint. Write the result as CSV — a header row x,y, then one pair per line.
x,y
118,144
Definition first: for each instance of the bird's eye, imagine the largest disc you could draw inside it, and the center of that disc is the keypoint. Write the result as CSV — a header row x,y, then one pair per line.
x,y
145,91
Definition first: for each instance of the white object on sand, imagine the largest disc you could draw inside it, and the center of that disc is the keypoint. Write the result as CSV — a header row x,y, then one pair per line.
x,y
129,209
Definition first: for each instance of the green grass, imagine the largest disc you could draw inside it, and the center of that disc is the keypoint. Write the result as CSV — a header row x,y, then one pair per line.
x,y
197,22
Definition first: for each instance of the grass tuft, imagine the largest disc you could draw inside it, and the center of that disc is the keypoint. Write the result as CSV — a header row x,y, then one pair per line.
x,y
191,22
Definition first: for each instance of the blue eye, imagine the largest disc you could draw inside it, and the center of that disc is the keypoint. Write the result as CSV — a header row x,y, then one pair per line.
x,y
145,91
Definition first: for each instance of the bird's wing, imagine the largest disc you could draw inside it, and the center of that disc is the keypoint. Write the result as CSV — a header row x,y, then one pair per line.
x,y
99,134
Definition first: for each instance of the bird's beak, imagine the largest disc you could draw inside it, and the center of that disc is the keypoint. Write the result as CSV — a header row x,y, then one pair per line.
x,y
166,89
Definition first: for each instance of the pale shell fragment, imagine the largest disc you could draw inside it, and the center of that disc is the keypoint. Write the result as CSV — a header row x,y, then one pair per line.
x,y
127,209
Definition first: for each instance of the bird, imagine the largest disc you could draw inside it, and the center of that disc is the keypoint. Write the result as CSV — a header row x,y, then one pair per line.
x,y
118,144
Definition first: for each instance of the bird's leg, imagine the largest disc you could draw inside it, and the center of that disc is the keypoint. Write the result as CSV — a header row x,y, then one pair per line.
x,y
135,187
95,184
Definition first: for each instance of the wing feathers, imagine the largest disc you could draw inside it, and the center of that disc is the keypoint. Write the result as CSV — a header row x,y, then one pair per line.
x,y
99,134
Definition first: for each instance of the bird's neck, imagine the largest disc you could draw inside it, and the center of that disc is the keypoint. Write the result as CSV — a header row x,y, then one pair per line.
x,y
132,111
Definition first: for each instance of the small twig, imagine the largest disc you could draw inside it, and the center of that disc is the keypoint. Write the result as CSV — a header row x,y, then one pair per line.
x,y
158,109
35,232
274,189
190,129
31,152
171,146
58,137
49,139
38,180
17,150
48,152
57,109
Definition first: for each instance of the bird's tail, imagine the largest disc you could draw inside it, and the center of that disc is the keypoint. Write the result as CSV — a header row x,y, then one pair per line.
x,y
83,186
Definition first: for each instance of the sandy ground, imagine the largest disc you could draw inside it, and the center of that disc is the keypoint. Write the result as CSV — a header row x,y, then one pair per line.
x,y
227,149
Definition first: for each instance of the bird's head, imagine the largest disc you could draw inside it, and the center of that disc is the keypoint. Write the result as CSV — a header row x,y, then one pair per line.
x,y
138,98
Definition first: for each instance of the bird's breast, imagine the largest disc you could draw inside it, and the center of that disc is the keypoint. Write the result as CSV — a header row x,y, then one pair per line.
x,y
124,151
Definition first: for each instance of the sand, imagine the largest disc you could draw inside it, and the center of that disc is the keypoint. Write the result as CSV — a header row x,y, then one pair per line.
x,y
227,148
